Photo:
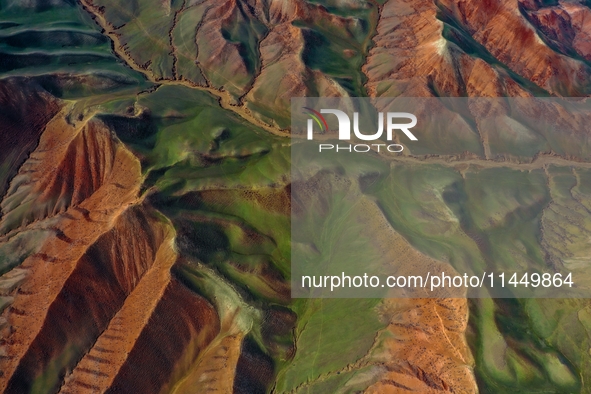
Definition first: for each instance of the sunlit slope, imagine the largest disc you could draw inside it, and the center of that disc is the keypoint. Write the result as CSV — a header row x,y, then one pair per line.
x,y
105,250
491,49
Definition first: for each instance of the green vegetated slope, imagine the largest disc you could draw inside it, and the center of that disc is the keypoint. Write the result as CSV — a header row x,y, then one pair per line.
x,y
224,184
505,219
61,47
502,218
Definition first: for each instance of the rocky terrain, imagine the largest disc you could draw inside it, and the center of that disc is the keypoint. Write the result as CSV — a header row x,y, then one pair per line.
x,y
146,199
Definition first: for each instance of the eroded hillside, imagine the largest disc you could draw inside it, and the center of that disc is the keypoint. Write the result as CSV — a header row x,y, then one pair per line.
x,y
146,196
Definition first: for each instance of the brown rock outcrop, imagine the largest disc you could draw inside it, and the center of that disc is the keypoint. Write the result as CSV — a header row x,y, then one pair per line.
x,y
425,350
430,49
98,295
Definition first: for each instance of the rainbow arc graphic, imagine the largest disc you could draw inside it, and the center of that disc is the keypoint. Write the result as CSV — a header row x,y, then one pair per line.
x,y
317,116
